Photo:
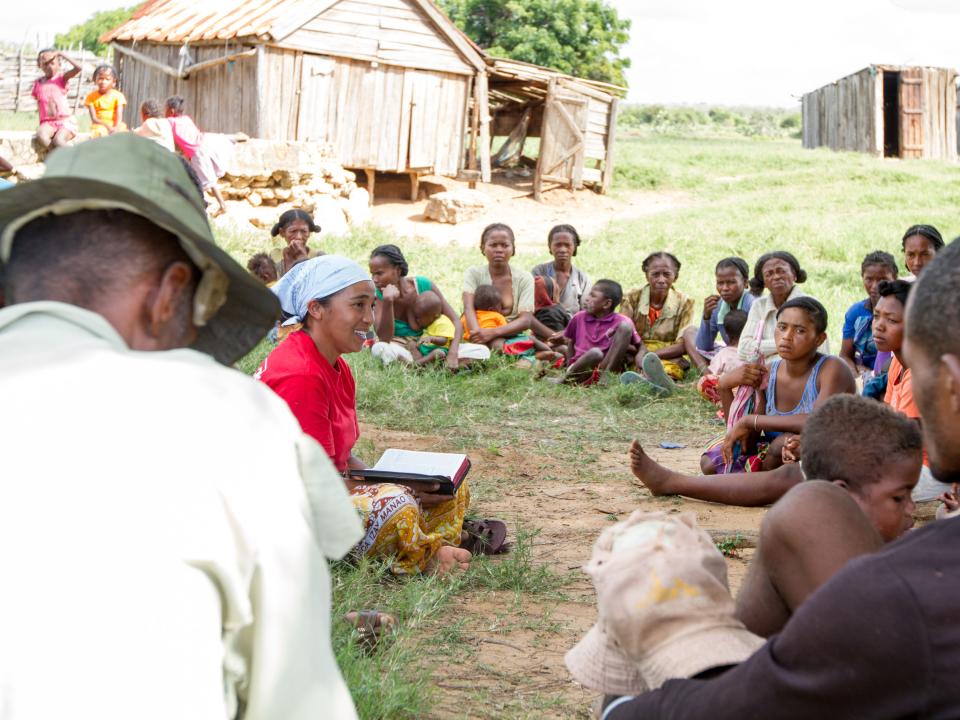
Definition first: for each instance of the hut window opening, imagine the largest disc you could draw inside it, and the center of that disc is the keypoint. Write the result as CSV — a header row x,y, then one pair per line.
x,y
891,114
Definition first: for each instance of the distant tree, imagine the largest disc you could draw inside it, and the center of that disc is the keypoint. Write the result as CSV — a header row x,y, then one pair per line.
x,y
89,32
578,37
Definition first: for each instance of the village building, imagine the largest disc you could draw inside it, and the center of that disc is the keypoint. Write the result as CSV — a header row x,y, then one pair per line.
x,y
887,110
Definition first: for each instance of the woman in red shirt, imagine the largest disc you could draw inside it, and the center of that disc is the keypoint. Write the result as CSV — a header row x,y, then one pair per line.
x,y
334,298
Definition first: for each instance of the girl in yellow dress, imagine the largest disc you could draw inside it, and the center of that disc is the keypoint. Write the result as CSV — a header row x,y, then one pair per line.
x,y
106,103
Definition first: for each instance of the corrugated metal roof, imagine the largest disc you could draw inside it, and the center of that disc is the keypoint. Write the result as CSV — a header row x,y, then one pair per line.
x,y
178,21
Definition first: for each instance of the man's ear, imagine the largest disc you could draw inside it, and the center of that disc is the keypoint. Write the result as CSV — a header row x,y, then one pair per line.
x,y
841,483
951,364
164,302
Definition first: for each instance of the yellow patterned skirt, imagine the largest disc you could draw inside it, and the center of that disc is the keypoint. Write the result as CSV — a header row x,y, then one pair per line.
x,y
396,526
675,371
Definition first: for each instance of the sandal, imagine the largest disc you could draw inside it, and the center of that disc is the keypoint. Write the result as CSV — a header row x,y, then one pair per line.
x,y
371,626
486,537
656,373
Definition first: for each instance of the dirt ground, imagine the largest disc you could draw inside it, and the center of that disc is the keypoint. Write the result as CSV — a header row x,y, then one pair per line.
x,y
511,202
513,664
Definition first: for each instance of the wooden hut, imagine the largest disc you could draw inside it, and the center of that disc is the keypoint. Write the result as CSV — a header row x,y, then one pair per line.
x,y
575,119
893,111
385,83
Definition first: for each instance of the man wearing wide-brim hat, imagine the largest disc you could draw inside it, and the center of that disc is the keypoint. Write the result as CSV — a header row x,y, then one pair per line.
x,y
164,523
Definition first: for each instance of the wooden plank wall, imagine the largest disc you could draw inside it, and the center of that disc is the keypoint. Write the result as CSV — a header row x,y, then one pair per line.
x,y
842,115
394,32
939,121
388,118
220,99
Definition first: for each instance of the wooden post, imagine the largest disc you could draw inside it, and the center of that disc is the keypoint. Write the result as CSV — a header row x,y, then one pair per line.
x,y
414,186
484,109
76,100
545,140
608,152
16,92
474,129
371,181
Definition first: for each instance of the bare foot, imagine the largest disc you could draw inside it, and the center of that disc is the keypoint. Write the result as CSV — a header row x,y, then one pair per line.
x,y
652,474
449,558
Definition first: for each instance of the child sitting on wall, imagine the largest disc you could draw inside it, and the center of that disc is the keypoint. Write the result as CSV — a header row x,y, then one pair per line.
x,y
154,126
57,127
106,104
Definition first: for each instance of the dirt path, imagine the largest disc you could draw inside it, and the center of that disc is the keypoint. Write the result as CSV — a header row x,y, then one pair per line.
x,y
511,203
513,643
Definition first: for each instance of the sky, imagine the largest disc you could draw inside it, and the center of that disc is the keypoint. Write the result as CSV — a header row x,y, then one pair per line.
x,y
717,52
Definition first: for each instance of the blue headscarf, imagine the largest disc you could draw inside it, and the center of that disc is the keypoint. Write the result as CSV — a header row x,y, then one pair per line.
x,y
315,279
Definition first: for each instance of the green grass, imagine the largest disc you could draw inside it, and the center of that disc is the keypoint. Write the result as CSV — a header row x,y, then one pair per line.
x,y
10,120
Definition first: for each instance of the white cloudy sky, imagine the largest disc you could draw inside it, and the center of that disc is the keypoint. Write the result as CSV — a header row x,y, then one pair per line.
x,y
752,52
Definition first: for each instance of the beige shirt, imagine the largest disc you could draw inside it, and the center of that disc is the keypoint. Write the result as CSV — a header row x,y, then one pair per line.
x,y
158,130
164,529
520,280
764,313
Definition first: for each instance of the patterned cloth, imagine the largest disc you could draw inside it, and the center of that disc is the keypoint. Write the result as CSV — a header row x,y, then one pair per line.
x,y
395,525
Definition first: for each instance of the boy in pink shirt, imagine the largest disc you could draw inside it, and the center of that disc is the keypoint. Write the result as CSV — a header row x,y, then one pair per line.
x,y
57,127
598,336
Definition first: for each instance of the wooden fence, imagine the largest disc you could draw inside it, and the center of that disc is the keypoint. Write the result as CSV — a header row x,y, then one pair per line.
x,y
18,70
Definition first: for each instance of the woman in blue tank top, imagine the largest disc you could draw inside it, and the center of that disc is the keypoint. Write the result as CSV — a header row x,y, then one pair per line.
x,y
801,378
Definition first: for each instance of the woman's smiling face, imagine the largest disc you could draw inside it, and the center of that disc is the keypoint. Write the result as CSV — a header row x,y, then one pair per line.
x,y
340,324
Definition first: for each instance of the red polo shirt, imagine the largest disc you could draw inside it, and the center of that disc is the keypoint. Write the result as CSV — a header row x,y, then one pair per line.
x,y
322,397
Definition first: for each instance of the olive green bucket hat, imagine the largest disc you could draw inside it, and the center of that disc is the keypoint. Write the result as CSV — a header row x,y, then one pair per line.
x,y
232,309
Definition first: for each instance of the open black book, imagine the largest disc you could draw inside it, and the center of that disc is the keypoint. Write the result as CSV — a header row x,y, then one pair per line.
x,y
405,466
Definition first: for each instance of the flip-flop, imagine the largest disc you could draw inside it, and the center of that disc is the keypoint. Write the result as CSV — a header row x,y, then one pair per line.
x,y
371,626
486,537
630,377
657,374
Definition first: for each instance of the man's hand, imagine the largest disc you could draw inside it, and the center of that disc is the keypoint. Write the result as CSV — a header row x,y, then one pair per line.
x,y
709,305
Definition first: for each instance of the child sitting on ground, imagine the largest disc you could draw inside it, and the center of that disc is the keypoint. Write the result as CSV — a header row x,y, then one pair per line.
x,y
599,336
725,359
57,127
105,104
154,125
438,330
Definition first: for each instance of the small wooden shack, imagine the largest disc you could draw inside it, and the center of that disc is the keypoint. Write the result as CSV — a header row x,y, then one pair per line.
x,y
575,119
385,83
888,110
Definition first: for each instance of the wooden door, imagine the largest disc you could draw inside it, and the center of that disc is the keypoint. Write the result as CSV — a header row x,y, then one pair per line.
x,y
911,113
316,82
561,140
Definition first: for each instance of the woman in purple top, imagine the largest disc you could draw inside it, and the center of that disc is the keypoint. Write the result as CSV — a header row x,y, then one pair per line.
x,y
597,338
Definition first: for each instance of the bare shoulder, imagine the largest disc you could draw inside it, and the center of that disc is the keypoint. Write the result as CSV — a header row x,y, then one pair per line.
x,y
838,374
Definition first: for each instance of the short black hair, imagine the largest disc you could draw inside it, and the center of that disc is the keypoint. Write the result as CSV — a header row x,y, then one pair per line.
x,y
44,52
934,318
813,308
291,216
487,297
879,257
756,282
494,227
660,255
900,289
611,290
259,261
737,263
393,255
175,103
570,230
733,323
927,231
836,448
105,67
151,108
80,258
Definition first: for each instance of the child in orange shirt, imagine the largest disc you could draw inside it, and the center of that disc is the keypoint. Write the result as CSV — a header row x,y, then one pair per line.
x,y
487,303
106,103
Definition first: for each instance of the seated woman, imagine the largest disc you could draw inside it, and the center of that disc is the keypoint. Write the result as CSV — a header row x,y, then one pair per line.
x,y
920,243
498,245
334,298
661,314
732,277
571,283
396,316
294,227
858,349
